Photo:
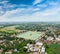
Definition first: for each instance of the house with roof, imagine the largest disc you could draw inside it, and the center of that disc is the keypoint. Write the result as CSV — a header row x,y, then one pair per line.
x,y
1,50
8,52
36,48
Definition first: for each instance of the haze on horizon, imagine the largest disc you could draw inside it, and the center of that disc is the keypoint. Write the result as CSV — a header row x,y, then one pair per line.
x,y
29,10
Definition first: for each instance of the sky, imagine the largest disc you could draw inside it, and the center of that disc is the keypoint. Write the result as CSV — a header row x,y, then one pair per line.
x,y
29,10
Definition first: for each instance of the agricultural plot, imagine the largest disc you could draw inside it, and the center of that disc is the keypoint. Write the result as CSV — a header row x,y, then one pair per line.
x,y
11,29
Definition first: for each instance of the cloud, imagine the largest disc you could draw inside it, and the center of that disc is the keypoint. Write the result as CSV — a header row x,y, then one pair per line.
x,y
46,11
36,1
47,15
3,2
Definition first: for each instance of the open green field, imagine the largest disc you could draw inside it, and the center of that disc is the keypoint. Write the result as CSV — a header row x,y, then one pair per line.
x,y
53,49
32,35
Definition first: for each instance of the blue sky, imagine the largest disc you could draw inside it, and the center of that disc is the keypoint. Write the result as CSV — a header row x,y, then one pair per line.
x,y
29,10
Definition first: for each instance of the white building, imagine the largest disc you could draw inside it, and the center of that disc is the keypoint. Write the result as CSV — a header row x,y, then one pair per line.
x,y
43,50
39,43
8,52
50,38
57,39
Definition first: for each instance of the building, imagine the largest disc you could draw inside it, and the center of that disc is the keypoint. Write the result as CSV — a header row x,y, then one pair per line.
x,y
43,50
36,48
1,50
50,38
8,52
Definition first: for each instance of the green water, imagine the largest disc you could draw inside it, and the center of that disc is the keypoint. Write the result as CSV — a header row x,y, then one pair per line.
x,y
30,35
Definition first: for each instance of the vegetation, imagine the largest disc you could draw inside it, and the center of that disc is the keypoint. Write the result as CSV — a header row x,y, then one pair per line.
x,y
53,48
31,27
9,41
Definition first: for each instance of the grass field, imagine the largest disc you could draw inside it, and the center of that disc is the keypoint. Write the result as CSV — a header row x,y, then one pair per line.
x,y
32,35
53,49
11,29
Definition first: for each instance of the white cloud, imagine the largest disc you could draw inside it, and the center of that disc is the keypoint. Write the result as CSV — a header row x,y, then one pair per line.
x,y
3,2
53,3
52,14
37,1
42,5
